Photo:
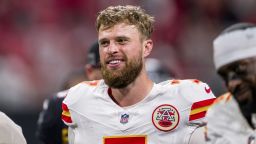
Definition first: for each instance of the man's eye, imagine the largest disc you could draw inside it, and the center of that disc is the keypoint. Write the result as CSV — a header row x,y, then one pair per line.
x,y
121,41
103,44
241,69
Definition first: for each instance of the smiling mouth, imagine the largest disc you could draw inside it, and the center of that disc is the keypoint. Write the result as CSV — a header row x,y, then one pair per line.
x,y
116,61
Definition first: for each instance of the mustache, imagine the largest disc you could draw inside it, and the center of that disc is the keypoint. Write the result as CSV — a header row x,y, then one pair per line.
x,y
115,57
242,94
239,88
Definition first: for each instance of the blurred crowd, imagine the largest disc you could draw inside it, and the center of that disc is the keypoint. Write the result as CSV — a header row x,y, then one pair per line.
x,y
44,41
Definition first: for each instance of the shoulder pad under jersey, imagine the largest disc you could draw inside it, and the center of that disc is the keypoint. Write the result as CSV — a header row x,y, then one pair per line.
x,y
197,95
73,96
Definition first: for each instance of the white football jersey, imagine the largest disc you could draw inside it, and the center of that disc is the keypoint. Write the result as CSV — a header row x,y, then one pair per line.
x,y
169,114
10,132
226,124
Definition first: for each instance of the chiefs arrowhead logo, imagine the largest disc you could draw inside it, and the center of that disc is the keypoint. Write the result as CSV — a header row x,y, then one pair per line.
x,y
165,117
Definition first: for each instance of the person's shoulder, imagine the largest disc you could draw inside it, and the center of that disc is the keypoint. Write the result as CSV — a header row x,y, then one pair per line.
x,y
2,114
6,123
198,90
189,82
79,96
224,98
183,83
176,82
85,86
195,95
189,89
3,118
193,84
10,132
62,94
193,90
82,90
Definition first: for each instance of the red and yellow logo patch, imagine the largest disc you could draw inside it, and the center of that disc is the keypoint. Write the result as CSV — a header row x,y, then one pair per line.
x,y
165,117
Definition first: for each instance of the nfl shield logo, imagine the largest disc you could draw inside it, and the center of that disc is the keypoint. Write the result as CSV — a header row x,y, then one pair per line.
x,y
124,118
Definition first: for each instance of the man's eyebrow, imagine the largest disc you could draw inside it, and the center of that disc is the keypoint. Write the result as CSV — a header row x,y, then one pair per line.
x,y
103,39
122,37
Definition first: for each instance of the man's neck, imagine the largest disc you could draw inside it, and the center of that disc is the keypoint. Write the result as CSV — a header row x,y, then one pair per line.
x,y
134,92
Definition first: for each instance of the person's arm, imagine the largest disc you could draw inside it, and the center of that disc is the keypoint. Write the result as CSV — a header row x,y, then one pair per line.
x,y
49,122
10,133
199,98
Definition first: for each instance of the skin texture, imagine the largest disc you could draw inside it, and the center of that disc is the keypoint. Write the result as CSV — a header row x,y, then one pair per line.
x,y
122,52
240,79
126,51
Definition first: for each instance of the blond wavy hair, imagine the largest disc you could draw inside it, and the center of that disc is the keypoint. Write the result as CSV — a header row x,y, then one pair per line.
x,y
132,15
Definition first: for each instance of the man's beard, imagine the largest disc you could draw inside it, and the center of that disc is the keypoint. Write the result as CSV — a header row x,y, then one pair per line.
x,y
125,76
247,106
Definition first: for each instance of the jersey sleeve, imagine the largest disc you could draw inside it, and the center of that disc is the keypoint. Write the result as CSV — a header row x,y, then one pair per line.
x,y
71,98
66,116
199,98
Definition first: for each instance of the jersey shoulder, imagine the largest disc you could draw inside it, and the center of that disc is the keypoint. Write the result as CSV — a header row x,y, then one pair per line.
x,y
81,89
10,132
223,99
190,89
223,103
74,95
193,93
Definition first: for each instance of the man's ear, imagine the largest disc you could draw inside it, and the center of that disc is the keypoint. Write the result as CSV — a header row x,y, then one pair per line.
x,y
148,46
88,70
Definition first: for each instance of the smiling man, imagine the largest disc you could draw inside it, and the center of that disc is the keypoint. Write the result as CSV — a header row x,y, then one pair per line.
x,y
232,119
127,107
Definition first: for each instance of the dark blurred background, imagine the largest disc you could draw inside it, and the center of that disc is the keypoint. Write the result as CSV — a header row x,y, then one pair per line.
x,y
43,41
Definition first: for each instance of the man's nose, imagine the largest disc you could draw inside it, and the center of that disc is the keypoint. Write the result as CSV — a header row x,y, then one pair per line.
x,y
233,81
112,48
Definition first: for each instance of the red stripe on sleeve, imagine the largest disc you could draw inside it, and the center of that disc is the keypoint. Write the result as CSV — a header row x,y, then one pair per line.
x,y
64,107
66,119
197,116
202,103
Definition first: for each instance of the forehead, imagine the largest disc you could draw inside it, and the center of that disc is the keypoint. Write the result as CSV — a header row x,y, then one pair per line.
x,y
121,29
235,64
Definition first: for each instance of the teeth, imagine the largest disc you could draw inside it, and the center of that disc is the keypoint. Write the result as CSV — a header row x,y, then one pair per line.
x,y
114,61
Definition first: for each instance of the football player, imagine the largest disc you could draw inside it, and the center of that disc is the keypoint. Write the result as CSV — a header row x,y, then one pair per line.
x,y
232,118
126,106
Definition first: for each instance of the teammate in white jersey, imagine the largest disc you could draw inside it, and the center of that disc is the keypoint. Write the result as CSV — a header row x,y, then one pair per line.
x,y
232,119
10,132
126,107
